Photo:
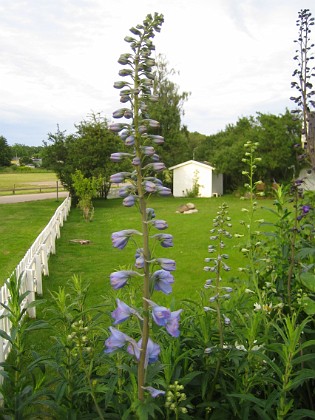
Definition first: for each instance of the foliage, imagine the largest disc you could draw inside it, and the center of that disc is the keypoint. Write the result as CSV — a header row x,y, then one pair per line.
x,y
168,110
86,189
245,348
5,152
194,192
87,150
21,384
23,223
276,136
25,153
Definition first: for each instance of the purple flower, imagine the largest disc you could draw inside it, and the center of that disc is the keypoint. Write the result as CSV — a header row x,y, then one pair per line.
x,y
119,177
124,134
116,340
152,353
164,191
120,84
162,281
156,139
148,150
160,314
136,161
149,186
150,213
142,129
158,166
159,224
130,141
306,209
165,239
172,325
117,127
129,201
166,264
117,157
163,317
139,258
119,113
118,279
125,190
122,312
155,158
156,181
152,123
121,238
128,114
153,391
227,320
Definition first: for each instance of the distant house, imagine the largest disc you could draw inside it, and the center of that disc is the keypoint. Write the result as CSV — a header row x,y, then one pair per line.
x,y
186,174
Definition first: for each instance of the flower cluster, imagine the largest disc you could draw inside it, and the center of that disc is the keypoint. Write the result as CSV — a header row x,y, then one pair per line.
x,y
216,263
175,398
155,273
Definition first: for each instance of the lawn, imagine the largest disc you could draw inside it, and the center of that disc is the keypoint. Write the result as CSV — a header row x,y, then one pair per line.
x,y
94,262
26,181
20,224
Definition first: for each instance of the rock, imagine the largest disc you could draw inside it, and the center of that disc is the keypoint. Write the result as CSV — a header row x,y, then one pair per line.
x,y
190,211
187,208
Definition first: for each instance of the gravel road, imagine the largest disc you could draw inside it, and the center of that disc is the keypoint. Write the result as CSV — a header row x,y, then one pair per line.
x,y
20,198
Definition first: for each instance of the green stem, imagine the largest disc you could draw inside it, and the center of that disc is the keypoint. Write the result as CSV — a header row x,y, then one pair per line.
x,y
292,252
145,232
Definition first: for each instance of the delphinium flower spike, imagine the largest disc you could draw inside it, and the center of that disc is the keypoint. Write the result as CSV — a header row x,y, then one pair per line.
x,y
136,130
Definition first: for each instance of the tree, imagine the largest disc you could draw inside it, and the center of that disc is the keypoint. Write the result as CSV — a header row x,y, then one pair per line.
x,y
5,152
304,73
88,150
168,111
276,136
86,189
26,153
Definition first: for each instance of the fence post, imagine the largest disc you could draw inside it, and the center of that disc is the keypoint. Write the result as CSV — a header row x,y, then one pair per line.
x,y
38,274
31,296
44,259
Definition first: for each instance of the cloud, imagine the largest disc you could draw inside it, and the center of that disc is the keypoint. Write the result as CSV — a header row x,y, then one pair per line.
x,y
59,58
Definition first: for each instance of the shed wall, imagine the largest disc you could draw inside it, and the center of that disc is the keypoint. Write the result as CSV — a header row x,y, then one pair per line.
x,y
183,179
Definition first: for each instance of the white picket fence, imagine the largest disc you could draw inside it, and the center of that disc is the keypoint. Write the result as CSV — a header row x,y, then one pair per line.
x,y
30,270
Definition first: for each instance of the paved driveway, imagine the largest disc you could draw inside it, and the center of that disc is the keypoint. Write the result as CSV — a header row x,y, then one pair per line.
x,y
20,198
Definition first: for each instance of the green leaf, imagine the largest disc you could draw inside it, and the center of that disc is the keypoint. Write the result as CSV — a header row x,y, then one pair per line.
x,y
304,375
306,252
249,397
302,414
189,377
37,325
4,335
308,305
308,280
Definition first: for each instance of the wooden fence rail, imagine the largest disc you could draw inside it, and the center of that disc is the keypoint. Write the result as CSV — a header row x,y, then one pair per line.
x,y
34,188
30,270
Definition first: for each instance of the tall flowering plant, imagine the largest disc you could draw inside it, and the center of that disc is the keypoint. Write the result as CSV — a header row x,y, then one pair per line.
x,y
136,130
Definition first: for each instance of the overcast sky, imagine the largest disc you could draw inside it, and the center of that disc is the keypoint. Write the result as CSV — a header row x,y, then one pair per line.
x,y
59,59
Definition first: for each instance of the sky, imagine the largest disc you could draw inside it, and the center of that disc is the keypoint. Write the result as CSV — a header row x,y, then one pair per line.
x,y
59,60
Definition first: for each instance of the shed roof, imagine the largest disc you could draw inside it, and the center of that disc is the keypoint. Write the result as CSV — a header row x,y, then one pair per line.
x,y
189,162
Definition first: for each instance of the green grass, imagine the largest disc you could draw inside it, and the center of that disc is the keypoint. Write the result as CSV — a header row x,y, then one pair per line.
x,y
29,180
94,262
20,224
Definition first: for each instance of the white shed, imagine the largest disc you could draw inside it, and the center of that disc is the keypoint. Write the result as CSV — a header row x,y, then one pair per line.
x,y
187,173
